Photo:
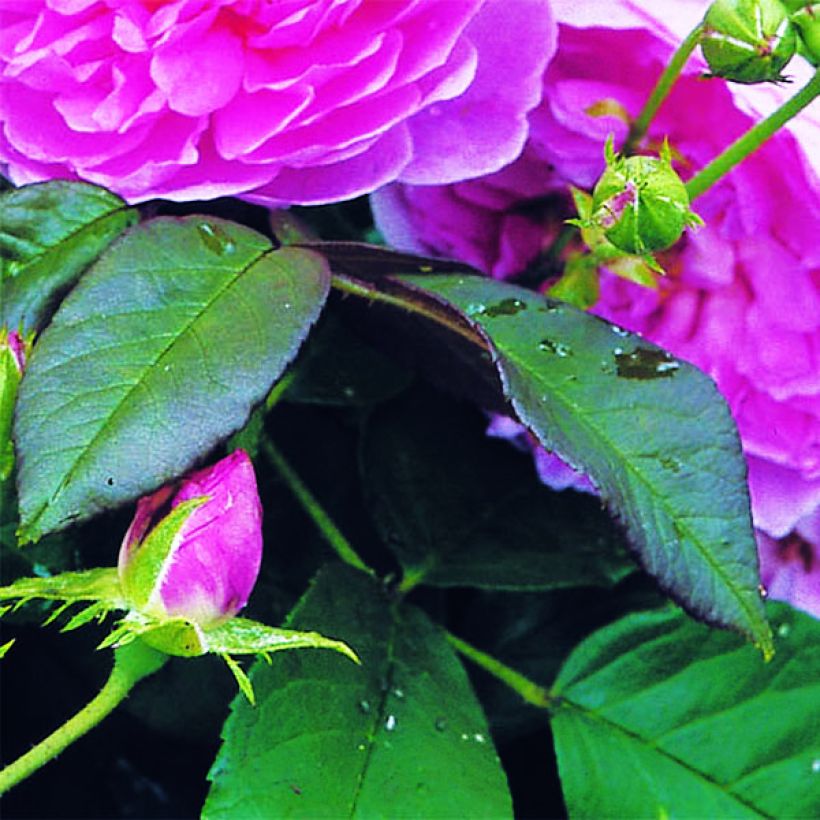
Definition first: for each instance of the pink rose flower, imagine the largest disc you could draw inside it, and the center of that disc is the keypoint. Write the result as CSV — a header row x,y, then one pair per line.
x,y
296,101
202,568
742,296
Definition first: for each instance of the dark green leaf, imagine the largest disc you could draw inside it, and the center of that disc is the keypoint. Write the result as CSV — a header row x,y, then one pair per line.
x,y
459,509
338,368
661,717
49,234
158,354
652,432
400,736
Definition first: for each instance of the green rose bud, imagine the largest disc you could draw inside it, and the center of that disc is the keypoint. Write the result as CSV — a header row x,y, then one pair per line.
x,y
748,41
640,202
807,22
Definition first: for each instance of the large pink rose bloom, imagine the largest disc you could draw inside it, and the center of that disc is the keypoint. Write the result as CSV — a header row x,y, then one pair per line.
x,y
742,296
296,101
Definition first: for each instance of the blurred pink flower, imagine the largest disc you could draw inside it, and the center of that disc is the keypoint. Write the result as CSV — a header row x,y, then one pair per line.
x,y
295,101
742,296
205,569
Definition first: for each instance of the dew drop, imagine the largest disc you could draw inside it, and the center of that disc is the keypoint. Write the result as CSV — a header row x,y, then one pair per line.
x,y
440,724
390,723
815,766
644,363
215,239
619,331
555,310
361,747
399,693
479,738
364,707
557,348
783,630
670,463
506,307
348,392
763,592
475,309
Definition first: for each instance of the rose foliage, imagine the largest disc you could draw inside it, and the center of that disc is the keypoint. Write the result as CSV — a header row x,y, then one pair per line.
x,y
181,364
741,298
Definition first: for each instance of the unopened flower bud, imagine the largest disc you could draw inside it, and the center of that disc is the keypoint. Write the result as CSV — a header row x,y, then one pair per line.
x,y
13,350
807,22
748,41
640,202
193,550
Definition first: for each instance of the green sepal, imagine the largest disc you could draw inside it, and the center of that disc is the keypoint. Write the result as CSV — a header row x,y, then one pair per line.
x,y
579,284
10,376
145,564
5,647
807,23
101,585
237,636
576,286
173,636
242,680
241,636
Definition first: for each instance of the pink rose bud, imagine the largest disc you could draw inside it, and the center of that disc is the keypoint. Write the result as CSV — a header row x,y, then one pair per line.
x,y
13,342
193,549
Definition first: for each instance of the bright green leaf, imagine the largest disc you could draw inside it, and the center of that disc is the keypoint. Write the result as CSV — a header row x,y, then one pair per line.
x,y
459,509
400,736
662,717
49,234
158,354
652,432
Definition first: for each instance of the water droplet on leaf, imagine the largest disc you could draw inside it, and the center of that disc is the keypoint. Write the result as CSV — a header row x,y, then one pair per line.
x,y
644,363
506,307
440,724
215,239
390,723
670,463
364,707
558,348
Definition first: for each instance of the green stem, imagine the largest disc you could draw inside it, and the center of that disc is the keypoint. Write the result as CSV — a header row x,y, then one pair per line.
x,y
333,535
529,691
131,664
752,139
662,89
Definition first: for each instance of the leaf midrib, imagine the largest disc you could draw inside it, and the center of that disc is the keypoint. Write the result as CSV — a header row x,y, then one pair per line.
x,y
46,250
378,713
651,747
